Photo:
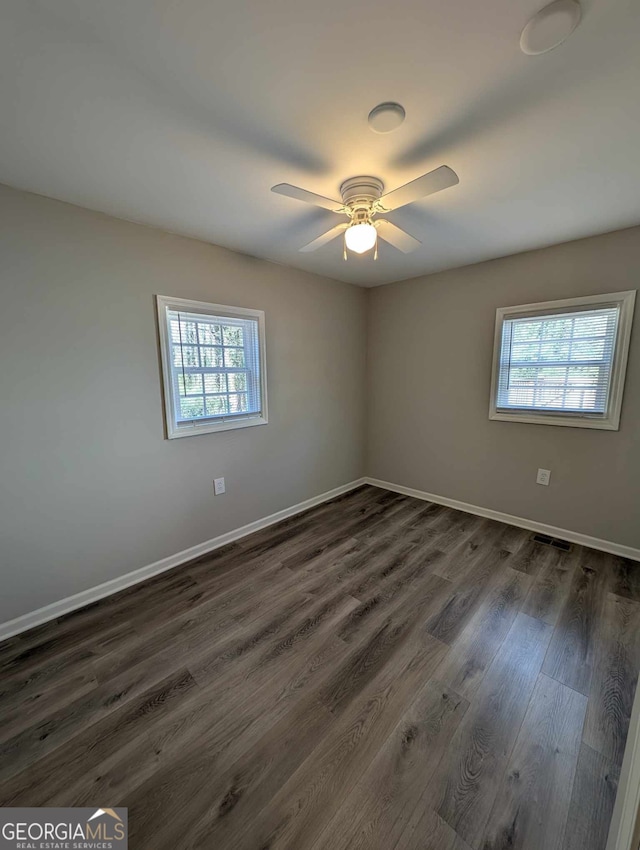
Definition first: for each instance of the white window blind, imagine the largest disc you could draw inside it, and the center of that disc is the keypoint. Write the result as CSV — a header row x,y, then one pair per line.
x,y
560,362
213,366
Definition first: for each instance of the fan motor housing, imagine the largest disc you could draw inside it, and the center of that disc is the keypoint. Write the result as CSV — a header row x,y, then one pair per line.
x,y
361,192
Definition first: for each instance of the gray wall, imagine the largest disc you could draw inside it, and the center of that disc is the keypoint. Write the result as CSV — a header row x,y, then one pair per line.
x,y
429,352
89,487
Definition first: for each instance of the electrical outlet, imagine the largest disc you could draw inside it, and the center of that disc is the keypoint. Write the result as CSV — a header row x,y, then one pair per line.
x,y
544,477
218,486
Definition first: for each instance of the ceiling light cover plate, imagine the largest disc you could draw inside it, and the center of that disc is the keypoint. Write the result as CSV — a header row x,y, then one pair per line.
x,y
386,117
550,27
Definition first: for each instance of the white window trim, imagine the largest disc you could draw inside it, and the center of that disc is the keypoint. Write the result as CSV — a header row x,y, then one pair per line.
x,y
208,426
610,421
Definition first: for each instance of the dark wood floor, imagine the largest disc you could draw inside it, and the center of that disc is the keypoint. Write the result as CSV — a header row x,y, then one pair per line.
x,y
376,673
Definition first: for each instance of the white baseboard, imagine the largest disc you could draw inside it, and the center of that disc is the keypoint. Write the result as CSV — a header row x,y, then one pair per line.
x,y
529,524
79,600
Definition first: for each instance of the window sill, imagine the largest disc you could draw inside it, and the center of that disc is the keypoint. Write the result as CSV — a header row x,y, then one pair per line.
x,y
604,424
214,427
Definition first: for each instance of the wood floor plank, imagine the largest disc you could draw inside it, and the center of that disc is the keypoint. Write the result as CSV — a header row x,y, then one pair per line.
x,y
530,558
13,645
571,653
236,791
71,666
303,806
89,622
40,775
203,794
376,812
482,745
464,667
513,538
328,565
414,587
224,579
61,726
615,678
367,659
397,518
43,660
33,706
198,633
462,536
205,622
294,536
551,586
232,708
231,712
468,591
248,649
377,569
378,643
470,539
594,793
532,803
366,570
427,831
625,578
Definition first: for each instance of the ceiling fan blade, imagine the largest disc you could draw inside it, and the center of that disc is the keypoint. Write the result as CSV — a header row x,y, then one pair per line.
x,y
397,237
434,181
308,197
326,237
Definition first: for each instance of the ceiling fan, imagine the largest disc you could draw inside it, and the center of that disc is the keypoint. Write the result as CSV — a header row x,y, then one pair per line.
x,y
362,201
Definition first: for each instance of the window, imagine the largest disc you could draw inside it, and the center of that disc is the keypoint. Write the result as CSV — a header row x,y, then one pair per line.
x,y
562,362
213,364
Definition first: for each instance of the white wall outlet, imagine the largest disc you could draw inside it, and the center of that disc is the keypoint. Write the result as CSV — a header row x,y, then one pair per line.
x,y
218,486
544,477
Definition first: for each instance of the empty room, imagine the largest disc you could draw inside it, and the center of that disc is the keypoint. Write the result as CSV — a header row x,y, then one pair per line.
x,y
319,425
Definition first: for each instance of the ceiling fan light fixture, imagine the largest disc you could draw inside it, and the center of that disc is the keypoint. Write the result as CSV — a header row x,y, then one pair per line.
x,y
360,237
362,200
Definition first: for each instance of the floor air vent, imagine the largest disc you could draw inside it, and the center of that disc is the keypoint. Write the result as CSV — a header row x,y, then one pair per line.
x,y
552,541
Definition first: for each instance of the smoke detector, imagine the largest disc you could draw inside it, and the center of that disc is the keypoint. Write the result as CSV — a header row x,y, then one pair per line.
x,y
386,117
549,27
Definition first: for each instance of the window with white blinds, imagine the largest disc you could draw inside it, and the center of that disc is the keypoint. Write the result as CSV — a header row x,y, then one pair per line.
x,y
562,363
213,365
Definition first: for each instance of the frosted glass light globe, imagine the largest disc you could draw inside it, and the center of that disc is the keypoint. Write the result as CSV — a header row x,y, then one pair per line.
x,y
361,237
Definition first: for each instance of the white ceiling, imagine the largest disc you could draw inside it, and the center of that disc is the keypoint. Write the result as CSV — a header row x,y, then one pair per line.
x,y
183,113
